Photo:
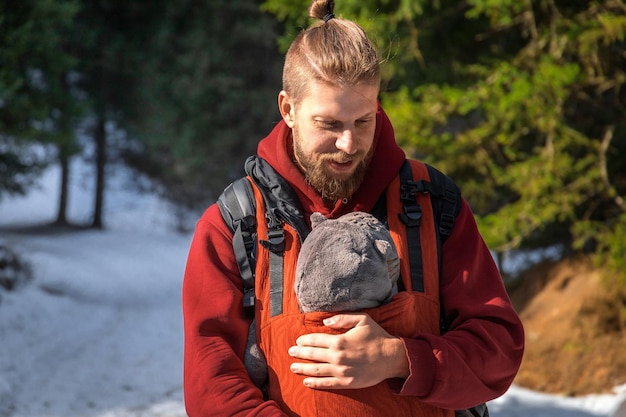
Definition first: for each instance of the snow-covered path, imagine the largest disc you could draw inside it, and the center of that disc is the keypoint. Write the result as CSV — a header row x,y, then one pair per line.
x,y
100,327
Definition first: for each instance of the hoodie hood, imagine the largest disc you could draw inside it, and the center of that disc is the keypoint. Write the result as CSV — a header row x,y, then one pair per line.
x,y
386,161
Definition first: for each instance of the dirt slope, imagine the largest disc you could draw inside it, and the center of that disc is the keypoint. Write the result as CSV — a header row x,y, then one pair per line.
x,y
575,330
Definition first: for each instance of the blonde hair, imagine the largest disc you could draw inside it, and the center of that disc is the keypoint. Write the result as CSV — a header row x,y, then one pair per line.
x,y
333,50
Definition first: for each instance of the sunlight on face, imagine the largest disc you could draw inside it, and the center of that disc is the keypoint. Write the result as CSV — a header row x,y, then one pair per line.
x,y
333,132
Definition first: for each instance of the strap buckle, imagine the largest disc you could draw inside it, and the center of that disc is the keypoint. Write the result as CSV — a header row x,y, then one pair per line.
x,y
408,189
446,223
248,297
275,240
412,216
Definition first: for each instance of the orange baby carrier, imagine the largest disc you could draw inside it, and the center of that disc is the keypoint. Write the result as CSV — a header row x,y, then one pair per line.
x,y
419,207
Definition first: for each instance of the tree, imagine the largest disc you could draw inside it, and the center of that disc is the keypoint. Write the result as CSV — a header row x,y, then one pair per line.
x,y
542,125
36,105
110,40
207,94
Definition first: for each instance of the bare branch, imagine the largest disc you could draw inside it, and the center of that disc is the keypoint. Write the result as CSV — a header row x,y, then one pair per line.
x,y
604,174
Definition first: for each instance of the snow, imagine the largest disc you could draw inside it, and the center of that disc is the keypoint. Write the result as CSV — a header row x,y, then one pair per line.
x,y
98,332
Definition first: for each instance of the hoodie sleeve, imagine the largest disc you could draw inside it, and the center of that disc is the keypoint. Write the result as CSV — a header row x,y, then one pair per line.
x,y
215,380
478,358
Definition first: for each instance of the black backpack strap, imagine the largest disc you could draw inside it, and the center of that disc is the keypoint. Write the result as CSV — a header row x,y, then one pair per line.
x,y
446,202
412,219
238,208
445,198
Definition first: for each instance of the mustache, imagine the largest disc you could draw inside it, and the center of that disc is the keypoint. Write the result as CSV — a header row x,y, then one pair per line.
x,y
340,157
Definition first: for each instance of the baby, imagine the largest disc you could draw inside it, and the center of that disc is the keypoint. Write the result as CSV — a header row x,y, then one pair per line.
x,y
345,264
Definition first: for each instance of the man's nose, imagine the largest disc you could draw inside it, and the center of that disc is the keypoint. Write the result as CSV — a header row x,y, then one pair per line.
x,y
346,142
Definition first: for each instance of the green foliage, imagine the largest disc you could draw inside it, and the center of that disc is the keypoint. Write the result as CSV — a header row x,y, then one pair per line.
x,y
608,237
36,105
504,134
33,66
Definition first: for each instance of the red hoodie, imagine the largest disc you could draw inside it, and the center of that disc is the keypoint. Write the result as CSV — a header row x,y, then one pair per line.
x,y
475,361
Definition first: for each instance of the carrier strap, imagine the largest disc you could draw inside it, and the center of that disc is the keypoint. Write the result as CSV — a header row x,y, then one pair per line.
x,y
275,244
412,219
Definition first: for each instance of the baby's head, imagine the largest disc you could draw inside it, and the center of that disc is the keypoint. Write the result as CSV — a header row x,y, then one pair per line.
x,y
346,264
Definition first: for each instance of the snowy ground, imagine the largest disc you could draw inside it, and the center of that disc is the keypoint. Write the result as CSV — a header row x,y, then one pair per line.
x,y
98,333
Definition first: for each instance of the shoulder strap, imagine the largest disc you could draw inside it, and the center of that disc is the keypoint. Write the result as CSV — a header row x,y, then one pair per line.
x,y
412,219
446,204
238,208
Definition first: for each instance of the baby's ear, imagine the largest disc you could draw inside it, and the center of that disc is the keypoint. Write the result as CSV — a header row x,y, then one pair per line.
x,y
383,247
387,250
316,219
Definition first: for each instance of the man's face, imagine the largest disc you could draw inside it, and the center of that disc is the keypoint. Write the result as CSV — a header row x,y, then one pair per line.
x,y
333,131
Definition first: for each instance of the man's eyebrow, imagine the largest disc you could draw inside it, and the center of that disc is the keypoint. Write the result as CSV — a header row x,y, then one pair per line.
x,y
329,117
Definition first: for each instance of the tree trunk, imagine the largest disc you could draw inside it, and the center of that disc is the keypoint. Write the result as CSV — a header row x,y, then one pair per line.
x,y
101,158
64,161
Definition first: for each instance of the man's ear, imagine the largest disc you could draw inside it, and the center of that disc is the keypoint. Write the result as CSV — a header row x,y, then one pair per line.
x,y
286,108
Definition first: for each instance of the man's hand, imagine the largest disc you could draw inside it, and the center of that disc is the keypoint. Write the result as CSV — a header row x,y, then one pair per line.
x,y
361,357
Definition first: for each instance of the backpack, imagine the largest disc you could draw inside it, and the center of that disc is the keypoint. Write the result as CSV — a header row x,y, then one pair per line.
x,y
238,208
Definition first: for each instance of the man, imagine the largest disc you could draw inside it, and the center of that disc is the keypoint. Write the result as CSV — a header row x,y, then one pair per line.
x,y
336,149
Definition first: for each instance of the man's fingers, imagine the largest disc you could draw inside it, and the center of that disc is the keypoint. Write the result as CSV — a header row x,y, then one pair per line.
x,y
321,375
326,383
311,369
345,321
310,353
319,340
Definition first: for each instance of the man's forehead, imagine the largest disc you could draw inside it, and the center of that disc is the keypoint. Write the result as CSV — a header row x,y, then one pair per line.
x,y
349,101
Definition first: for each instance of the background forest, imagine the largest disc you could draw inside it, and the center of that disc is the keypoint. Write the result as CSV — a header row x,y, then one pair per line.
x,y
522,102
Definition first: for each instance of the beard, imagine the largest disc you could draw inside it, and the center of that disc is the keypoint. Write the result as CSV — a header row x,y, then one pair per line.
x,y
331,187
